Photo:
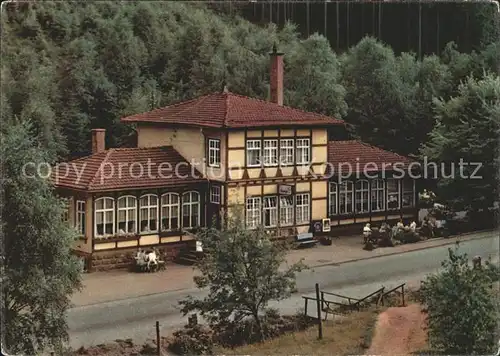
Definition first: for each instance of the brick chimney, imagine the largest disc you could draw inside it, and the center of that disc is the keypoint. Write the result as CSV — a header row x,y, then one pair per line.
x,y
276,76
98,140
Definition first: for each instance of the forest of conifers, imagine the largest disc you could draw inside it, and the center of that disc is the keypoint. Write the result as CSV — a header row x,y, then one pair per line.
x,y
70,67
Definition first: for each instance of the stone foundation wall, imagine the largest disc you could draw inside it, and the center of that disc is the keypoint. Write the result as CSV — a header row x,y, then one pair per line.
x,y
123,257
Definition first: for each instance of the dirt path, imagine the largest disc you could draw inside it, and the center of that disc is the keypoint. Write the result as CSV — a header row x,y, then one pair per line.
x,y
399,331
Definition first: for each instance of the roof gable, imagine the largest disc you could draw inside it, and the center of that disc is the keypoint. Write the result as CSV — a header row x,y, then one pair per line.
x,y
229,110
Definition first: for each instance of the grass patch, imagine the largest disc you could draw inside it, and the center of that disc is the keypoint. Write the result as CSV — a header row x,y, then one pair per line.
x,y
346,336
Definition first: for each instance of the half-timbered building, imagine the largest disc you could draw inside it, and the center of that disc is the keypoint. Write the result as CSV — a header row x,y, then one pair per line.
x,y
215,153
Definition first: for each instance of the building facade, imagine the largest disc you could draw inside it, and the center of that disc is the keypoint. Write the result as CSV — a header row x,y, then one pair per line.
x,y
200,159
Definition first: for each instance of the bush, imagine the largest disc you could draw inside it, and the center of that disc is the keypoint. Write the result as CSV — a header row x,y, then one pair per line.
x,y
461,307
192,340
273,325
407,236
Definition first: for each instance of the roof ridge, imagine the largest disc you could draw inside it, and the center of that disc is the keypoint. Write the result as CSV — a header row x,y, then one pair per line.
x,y
284,106
137,148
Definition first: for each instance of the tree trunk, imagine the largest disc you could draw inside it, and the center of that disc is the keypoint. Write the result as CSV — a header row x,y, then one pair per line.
x,y
258,323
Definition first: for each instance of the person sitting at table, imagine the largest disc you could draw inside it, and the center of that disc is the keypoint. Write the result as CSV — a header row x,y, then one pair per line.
x,y
367,231
413,226
400,224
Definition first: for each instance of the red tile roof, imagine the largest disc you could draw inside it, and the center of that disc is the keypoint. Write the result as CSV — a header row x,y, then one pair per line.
x,y
358,156
231,110
120,168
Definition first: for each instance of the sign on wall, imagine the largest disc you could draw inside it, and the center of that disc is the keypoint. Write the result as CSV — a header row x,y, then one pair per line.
x,y
317,226
326,225
284,189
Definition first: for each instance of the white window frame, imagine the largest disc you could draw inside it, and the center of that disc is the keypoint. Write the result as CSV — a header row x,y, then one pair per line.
x,y
130,213
303,150
362,192
287,208
270,153
80,216
270,206
346,188
214,152
103,211
191,205
287,149
169,206
333,198
254,146
302,208
405,191
397,193
148,208
253,212
377,188
215,194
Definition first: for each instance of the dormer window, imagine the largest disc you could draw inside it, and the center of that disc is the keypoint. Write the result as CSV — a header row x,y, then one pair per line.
x,y
213,152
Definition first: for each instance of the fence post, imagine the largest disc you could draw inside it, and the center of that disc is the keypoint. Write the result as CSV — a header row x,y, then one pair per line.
x,y
318,304
403,294
305,307
158,349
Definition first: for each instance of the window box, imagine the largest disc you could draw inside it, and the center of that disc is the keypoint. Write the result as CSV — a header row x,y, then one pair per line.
x,y
117,238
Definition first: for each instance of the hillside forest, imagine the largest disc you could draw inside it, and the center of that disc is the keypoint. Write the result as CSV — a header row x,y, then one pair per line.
x,y
69,67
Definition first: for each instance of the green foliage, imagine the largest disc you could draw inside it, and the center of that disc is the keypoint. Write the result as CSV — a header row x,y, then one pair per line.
x,y
39,272
313,78
242,271
461,306
192,340
70,68
389,97
467,128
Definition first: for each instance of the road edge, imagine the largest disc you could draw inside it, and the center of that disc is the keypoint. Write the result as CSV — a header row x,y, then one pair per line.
x,y
446,241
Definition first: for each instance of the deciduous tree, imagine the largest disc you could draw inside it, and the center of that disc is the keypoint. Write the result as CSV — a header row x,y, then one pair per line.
x,y
242,272
467,130
39,273
462,309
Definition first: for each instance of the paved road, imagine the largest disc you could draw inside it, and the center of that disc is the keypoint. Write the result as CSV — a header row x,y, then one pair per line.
x,y
135,318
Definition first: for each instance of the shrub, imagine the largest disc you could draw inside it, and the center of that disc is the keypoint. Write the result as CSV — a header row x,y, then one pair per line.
x,y
273,325
407,236
192,340
461,307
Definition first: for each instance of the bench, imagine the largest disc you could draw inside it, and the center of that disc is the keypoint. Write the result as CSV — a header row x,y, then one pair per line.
x,y
305,240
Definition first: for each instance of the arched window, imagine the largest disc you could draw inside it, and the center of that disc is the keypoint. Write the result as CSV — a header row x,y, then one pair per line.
x,y
333,199
190,210
170,211
346,197
362,196
149,213
127,214
104,217
377,195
